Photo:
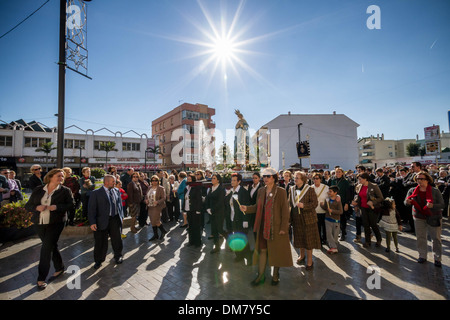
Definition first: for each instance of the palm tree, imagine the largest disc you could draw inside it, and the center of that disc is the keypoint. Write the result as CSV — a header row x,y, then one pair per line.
x,y
107,147
156,150
47,148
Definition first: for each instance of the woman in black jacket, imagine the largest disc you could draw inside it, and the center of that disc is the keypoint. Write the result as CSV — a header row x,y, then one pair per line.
x,y
193,207
49,204
215,206
35,179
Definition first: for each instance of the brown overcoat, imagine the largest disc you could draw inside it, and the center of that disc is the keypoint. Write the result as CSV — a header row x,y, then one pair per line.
x,y
278,247
304,221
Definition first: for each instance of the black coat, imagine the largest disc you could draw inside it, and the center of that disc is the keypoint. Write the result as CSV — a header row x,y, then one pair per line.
x,y
195,199
384,183
244,199
215,200
62,198
34,182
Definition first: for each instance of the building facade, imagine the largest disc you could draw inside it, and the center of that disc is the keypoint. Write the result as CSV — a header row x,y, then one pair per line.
x,y
373,149
180,133
332,139
19,141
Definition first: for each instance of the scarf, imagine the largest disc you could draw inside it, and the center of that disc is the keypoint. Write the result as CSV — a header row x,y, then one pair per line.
x,y
429,198
265,207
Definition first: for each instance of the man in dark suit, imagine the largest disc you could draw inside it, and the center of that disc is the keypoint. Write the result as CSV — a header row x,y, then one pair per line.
x,y
105,218
237,196
253,192
383,182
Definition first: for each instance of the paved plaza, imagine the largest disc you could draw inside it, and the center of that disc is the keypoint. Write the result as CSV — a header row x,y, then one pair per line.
x,y
170,270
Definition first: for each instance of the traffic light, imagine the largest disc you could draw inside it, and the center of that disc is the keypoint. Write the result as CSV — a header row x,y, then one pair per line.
x,y
303,150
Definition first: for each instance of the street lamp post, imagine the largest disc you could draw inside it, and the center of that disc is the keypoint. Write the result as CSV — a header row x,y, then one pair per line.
x,y
61,83
299,141
145,160
62,65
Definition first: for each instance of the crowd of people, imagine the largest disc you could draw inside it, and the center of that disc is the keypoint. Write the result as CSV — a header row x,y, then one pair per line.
x,y
304,209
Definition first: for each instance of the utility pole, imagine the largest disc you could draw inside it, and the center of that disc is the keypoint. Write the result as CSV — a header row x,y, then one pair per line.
x,y
61,84
299,141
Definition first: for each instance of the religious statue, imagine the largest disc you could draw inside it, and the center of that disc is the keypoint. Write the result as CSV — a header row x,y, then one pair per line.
x,y
241,139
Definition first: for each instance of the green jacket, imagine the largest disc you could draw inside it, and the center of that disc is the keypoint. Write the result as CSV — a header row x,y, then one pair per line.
x,y
344,190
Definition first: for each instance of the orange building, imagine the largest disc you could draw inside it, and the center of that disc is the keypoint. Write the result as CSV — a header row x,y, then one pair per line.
x,y
185,117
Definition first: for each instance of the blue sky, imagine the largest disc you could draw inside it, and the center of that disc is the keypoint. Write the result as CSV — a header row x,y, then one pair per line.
x,y
312,57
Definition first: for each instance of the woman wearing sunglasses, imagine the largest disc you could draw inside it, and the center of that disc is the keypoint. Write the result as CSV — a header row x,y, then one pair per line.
x,y
36,178
156,202
271,224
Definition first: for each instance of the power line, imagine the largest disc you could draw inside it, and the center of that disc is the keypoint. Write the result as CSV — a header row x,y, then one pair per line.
x,y
25,19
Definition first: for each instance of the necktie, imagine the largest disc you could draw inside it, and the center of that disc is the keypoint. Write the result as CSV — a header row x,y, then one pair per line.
x,y
112,203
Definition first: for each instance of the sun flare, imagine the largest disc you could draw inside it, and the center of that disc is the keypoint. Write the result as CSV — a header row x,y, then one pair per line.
x,y
223,48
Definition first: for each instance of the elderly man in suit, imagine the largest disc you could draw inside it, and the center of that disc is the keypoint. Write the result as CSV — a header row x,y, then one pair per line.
x,y
105,218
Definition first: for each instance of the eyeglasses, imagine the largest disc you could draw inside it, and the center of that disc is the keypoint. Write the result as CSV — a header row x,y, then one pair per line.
x,y
421,179
316,178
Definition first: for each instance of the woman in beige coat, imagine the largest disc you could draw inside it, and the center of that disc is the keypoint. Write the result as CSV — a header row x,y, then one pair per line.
x,y
271,225
156,201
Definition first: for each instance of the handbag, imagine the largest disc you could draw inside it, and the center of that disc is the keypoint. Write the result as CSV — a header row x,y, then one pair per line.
x,y
434,220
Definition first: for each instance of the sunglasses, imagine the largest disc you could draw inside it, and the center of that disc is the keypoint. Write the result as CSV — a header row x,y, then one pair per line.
x,y
37,169
154,180
266,176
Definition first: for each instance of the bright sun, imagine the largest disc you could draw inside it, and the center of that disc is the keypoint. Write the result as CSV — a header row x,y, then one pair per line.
x,y
224,49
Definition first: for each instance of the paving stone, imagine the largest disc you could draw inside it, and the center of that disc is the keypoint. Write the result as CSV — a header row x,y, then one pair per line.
x,y
169,270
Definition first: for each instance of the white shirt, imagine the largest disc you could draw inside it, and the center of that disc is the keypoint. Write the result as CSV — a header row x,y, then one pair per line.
x,y
151,194
186,198
254,189
231,201
323,196
46,200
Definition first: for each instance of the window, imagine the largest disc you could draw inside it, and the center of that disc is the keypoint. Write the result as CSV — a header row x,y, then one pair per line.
x,y
171,121
6,141
130,146
36,142
191,115
74,144
97,144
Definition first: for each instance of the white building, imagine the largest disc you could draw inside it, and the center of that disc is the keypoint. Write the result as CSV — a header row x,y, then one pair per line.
x,y
332,138
19,141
